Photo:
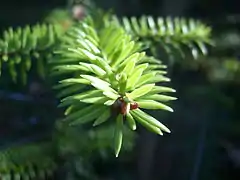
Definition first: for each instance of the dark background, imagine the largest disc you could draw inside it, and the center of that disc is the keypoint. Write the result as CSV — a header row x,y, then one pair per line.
x,y
14,12
204,113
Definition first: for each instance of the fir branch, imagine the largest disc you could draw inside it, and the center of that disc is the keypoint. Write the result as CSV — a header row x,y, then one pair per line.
x,y
22,48
109,76
172,34
32,161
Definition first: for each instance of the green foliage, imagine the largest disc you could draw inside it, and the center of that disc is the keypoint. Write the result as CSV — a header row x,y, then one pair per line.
x,y
105,78
108,78
173,35
22,48
33,161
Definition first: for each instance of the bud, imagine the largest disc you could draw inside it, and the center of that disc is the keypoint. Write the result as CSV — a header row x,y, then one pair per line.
x,y
133,106
78,12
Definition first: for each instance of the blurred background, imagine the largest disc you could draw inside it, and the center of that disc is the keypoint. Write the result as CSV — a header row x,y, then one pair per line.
x,y
205,139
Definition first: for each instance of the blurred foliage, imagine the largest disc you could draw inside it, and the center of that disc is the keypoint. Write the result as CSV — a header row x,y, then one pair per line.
x,y
61,17
89,142
31,161
40,160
